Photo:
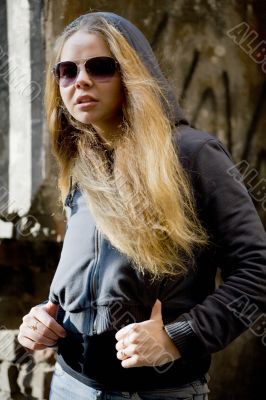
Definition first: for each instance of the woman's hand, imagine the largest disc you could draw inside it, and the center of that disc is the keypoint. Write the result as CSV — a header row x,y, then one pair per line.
x,y
146,343
39,328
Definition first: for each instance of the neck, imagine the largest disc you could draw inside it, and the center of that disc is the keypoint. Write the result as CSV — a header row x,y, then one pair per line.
x,y
109,134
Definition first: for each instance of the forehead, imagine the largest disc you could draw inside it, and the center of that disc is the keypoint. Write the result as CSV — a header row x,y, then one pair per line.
x,y
83,45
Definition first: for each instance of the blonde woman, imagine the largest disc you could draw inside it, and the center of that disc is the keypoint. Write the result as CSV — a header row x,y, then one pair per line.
x,y
153,209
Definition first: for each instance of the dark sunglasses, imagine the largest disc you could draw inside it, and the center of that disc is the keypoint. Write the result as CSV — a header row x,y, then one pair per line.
x,y
98,68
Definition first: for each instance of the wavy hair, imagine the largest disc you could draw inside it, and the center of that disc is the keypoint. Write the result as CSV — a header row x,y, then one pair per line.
x,y
141,197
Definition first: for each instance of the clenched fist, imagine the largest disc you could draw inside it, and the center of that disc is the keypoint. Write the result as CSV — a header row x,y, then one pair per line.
x,y
39,328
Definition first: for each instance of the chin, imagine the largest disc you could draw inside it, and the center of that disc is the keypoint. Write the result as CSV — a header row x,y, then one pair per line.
x,y
85,119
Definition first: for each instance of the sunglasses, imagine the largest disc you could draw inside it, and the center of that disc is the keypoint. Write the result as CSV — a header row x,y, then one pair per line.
x,y
98,68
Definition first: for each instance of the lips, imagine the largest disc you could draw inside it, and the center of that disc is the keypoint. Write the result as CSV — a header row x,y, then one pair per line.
x,y
85,99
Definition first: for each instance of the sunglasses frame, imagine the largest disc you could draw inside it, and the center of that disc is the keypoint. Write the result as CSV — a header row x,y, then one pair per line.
x,y
78,65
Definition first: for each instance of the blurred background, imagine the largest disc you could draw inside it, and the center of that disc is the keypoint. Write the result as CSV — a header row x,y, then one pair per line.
x,y
214,54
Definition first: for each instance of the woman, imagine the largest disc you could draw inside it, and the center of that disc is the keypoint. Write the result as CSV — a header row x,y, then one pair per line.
x,y
153,210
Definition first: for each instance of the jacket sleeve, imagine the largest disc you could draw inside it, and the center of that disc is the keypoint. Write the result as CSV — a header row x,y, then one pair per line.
x,y
239,302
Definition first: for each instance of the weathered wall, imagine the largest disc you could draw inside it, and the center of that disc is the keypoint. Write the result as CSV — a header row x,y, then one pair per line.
x,y
219,77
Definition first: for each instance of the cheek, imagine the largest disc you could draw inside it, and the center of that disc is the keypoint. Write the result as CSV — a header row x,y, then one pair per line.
x,y
117,95
66,98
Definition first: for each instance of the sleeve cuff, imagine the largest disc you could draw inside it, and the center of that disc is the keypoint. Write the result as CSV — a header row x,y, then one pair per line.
x,y
185,339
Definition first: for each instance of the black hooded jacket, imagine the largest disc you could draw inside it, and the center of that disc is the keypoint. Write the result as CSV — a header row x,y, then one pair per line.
x,y
99,291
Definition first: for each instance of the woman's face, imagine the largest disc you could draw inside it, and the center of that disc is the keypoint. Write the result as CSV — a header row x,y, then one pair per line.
x,y
104,113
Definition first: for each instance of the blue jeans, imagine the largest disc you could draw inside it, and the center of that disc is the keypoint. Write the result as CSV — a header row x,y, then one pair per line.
x,y
65,387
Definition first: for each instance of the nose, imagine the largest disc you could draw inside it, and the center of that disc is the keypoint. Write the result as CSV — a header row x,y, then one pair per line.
x,y
83,78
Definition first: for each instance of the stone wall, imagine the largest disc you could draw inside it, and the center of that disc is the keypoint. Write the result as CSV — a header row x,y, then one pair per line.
x,y
218,72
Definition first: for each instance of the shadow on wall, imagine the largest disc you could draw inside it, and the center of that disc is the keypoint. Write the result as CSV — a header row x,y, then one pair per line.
x,y
238,372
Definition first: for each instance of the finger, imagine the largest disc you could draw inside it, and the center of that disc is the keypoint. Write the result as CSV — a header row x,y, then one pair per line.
x,y
130,351
36,337
29,344
156,312
42,329
38,326
52,309
125,341
124,331
42,315
121,355
122,343
119,346
133,361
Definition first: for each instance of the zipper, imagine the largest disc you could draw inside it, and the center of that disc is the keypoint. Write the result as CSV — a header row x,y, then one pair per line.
x,y
94,278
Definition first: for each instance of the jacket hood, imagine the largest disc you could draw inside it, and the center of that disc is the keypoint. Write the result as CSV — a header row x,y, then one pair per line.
x,y
139,42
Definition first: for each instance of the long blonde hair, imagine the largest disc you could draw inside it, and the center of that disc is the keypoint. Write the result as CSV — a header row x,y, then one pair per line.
x,y
142,201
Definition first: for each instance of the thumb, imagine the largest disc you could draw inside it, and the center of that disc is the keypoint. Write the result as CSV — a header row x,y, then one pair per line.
x,y
156,312
52,309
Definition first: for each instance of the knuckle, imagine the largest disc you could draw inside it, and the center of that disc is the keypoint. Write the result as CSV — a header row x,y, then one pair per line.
x,y
25,318
49,324
134,340
21,332
33,310
45,331
135,327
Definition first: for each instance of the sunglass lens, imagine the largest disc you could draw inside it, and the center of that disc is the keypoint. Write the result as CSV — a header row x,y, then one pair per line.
x,y
101,67
66,73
